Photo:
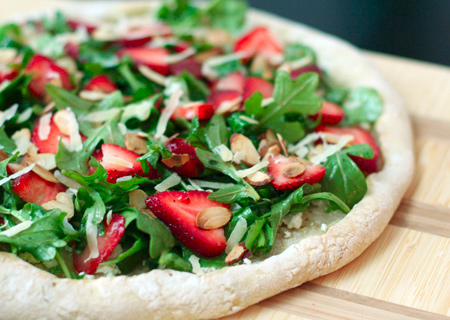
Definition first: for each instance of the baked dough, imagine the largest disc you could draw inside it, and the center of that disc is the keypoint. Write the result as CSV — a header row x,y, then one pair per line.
x,y
29,293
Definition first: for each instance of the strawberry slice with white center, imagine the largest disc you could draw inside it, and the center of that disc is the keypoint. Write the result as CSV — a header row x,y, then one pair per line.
x,y
330,113
218,97
178,210
254,84
305,69
360,136
32,188
190,65
120,162
154,58
258,41
101,83
193,167
203,111
137,37
277,167
106,245
44,71
234,81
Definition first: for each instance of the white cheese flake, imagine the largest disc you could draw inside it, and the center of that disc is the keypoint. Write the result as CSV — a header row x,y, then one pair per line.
x,y
68,182
172,104
239,156
196,267
195,186
323,227
236,235
24,116
91,237
249,120
16,229
168,183
116,161
246,172
332,149
152,75
208,66
174,58
267,101
224,152
109,217
44,126
125,178
17,174
101,116
8,114
210,184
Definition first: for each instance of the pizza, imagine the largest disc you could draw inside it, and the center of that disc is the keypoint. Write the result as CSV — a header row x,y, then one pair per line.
x,y
169,161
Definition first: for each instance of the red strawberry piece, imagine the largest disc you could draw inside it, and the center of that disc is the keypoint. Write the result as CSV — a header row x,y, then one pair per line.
x,y
201,110
181,46
311,175
254,84
330,113
234,81
34,189
217,97
189,64
154,58
310,68
8,74
75,24
179,209
191,169
106,245
361,136
120,162
140,36
45,71
49,145
72,50
258,41
101,83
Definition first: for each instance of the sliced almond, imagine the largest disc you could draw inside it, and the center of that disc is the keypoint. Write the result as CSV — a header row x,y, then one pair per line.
x,y
229,106
135,143
3,155
237,253
205,55
293,169
282,144
147,211
44,174
63,202
213,218
305,162
240,143
45,160
176,160
14,167
315,151
49,107
271,152
218,37
171,138
136,199
268,146
331,137
62,119
270,135
259,178
260,65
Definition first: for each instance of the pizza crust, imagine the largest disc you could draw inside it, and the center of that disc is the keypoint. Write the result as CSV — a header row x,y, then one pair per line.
x,y
29,293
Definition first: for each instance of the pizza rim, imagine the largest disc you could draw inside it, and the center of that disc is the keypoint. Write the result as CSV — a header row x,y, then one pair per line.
x,y
231,289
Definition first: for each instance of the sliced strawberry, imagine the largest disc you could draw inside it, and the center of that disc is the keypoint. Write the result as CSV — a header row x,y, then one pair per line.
x,y
234,81
179,209
310,68
154,58
8,73
49,145
201,110
191,169
330,113
34,189
76,24
254,84
181,46
106,245
280,181
72,50
101,83
189,64
258,41
217,97
45,71
361,136
120,162
140,36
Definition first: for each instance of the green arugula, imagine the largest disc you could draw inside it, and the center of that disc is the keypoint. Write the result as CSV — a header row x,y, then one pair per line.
x,y
297,51
64,98
362,105
7,144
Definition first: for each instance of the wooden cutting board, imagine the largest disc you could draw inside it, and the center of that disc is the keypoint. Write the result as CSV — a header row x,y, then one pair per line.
x,y
405,274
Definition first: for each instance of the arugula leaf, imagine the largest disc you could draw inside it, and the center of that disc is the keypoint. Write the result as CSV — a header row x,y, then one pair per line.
x,y
336,95
291,131
178,13
360,150
64,98
136,247
297,51
344,179
50,46
227,14
161,239
198,90
97,55
253,105
216,132
6,144
10,35
234,193
293,96
42,238
227,67
215,162
91,204
362,105
171,260
331,198
56,24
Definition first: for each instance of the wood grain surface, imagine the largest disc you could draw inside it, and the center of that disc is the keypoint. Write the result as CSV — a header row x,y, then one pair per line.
x,y
405,274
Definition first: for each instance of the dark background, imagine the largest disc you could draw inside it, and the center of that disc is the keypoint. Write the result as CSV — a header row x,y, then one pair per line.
x,y
414,29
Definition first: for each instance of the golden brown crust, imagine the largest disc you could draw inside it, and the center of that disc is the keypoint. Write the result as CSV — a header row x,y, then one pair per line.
x,y
28,292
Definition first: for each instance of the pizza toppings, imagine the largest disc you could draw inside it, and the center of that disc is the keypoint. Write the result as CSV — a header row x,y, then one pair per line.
x,y
135,147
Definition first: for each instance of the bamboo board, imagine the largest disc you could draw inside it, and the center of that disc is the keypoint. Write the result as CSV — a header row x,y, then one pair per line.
x,y
405,274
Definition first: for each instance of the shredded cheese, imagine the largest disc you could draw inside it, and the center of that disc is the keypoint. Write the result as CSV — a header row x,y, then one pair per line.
x,y
109,217
91,237
267,101
24,116
208,65
172,104
68,182
140,110
16,229
332,149
224,152
249,120
236,235
210,184
101,116
152,75
195,186
17,174
168,183
44,126
116,161
195,262
8,114
125,178
238,156
246,172
174,58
